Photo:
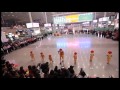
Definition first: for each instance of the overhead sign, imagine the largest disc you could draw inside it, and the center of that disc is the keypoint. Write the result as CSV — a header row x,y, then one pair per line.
x,y
86,17
73,18
59,20
31,25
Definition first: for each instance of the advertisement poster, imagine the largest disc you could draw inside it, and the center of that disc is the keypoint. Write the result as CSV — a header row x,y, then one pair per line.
x,y
73,18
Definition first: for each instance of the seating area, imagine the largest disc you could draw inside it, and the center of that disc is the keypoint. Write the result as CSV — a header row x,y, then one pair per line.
x,y
9,46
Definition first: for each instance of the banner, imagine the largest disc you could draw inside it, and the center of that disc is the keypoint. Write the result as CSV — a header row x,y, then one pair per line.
x,y
72,18
59,20
86,17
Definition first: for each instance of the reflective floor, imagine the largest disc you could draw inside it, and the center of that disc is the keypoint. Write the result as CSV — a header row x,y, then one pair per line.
x,y
82,44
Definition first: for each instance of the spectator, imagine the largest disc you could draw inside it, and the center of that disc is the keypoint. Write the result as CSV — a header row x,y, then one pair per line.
x,y
51,75
82,73
22,71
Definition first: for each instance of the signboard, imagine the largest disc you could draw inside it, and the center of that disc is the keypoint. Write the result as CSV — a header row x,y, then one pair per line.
x,y
47,25
31,25
3,37
86,17
59,20
73,18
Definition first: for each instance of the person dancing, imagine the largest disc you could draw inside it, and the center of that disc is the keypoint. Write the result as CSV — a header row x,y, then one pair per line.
x,y
109,56
75,57
32,56
42,56
91,55
61,53
50,59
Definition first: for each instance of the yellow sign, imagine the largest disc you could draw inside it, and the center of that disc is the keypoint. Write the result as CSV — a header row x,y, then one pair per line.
x,y
72,18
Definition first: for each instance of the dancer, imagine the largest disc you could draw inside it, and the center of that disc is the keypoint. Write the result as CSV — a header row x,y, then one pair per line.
x,y
91,55
75,57
109,56
32,55
42,56
61,53
50,59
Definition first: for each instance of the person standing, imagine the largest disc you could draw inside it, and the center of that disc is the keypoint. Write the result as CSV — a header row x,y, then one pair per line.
x,y
91,55
61,53
32,55
50,59
109,56
75,57
42,56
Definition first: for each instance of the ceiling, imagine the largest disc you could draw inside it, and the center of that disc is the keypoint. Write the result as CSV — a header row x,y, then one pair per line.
x,y
24,16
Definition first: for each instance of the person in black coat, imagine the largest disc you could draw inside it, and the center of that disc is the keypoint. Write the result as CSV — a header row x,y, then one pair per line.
x,y
82,73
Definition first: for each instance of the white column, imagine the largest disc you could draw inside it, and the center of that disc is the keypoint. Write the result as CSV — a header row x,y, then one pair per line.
x,y
117,15
95,15
30,17
2,20
46,17
105,13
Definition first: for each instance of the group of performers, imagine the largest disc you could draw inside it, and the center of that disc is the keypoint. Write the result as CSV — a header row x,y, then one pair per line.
x,y
57,34
61,54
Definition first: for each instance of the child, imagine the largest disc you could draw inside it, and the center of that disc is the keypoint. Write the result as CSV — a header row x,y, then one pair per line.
x,y
42,56
50,59
91,55
32,55
61,53
109,55
75,57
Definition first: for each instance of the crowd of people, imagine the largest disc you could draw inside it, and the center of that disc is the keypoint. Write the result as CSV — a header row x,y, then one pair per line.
x,y
10,70
114,35
8,47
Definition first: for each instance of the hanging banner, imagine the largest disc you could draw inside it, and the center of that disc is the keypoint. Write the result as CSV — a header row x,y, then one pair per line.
x,y
86,17
73,18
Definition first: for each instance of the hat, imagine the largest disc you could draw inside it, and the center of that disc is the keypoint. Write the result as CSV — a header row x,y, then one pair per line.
x,y
75,52
41,53
60,49
92,51
109,52
71,66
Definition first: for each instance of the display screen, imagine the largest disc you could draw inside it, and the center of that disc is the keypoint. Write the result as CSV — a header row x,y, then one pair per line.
x,y
3,37
31,25
104,19
35,24
47,25
94,21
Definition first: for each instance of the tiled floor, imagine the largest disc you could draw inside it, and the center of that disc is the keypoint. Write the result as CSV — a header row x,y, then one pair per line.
x,y
82,44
